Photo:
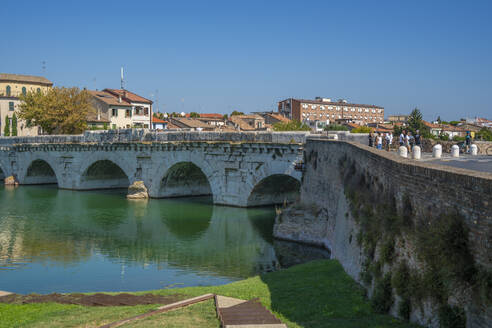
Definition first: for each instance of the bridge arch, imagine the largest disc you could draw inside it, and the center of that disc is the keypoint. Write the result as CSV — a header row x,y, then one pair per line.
x,y
184,179
105,172
184,175
274,189
3,174
40,170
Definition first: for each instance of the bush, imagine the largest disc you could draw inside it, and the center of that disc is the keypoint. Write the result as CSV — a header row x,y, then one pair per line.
x,y
387,250
361,129
382,298
291,126
484,134
400,280
452,317
405,308
335,127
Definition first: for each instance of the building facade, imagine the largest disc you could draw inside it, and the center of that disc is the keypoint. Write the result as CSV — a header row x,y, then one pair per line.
x,y
141,113
326,111
111,112
11,87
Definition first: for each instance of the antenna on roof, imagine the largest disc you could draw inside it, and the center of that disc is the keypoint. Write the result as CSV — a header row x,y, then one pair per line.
x,y
43,66
122,80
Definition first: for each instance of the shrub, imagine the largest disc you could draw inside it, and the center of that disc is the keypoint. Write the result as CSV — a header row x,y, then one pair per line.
x,y
400,280
387,250
452,317
405,308
291,126
361,129
335,127
382,298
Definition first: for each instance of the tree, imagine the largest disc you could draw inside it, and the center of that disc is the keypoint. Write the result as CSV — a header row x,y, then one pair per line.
x,y
194,115
6,129
415,121
291,126
236,113
439,119
484,134
14,125
60,110
225,117
335,127
361,129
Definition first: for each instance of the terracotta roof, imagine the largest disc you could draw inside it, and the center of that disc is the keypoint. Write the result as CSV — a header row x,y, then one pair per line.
x,y
243,125
25,78
353,125
171,126
129,96
157,120
190,122
208,115
431,125
334,103
451,128
108,98
279,117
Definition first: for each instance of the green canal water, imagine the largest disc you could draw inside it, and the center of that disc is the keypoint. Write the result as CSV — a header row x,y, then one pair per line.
x,y
55,240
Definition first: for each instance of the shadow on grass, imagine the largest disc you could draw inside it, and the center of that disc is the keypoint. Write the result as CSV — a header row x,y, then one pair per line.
x,y
321,294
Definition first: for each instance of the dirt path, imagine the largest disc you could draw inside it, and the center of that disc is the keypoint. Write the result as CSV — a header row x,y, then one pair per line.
x,y
98,299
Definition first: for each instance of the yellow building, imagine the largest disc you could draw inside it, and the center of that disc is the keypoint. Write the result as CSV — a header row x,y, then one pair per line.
x,y
11,87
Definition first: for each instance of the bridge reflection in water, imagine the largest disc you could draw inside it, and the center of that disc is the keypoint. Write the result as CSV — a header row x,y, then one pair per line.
x,y
60,240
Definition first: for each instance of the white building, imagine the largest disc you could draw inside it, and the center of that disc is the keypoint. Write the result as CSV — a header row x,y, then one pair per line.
x,y
141,112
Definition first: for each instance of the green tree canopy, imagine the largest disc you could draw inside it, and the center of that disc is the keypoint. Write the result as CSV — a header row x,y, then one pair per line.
x,y
361,129
6,129
291,126
236,113
335,127
194,115
60,110
14,125
484,134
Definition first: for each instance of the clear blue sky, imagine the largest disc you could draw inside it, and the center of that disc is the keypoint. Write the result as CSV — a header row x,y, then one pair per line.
x,y
216,56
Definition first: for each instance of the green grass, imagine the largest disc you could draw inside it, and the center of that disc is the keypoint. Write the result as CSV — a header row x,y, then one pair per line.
x,y
315,294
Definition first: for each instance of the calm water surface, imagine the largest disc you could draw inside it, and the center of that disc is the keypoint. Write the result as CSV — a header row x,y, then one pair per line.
x,y
63,241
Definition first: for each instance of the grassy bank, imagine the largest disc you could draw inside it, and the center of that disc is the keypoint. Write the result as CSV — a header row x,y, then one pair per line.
x,y
316,294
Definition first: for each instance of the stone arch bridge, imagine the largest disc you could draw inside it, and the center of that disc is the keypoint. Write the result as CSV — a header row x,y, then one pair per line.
x,y
238,169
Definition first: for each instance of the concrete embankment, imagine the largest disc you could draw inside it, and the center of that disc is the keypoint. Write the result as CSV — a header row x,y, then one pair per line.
x,y
418,236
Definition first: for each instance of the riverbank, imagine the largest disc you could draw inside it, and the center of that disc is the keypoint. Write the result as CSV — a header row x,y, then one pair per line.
x,y
315,294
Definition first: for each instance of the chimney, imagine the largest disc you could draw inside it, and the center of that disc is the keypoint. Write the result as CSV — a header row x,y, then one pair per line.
x,y
124,93
119,99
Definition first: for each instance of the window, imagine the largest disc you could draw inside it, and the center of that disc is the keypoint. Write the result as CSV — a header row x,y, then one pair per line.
x,y
24,91
304,106
11,106
7,91
128,113
38,90
146,126
322,107
113,126
114,112
146,111
352,109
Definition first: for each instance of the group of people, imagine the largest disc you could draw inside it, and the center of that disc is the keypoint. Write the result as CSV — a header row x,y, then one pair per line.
x,y
384,141
380,141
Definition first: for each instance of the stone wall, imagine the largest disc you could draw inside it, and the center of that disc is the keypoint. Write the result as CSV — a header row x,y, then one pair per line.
x,y
420,191
144,135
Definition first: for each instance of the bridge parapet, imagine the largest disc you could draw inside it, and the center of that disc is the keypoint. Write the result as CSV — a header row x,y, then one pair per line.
x,y
145,135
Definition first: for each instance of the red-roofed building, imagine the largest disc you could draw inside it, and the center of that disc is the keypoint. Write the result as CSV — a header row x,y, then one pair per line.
x,y
141,112
158,124
208,115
